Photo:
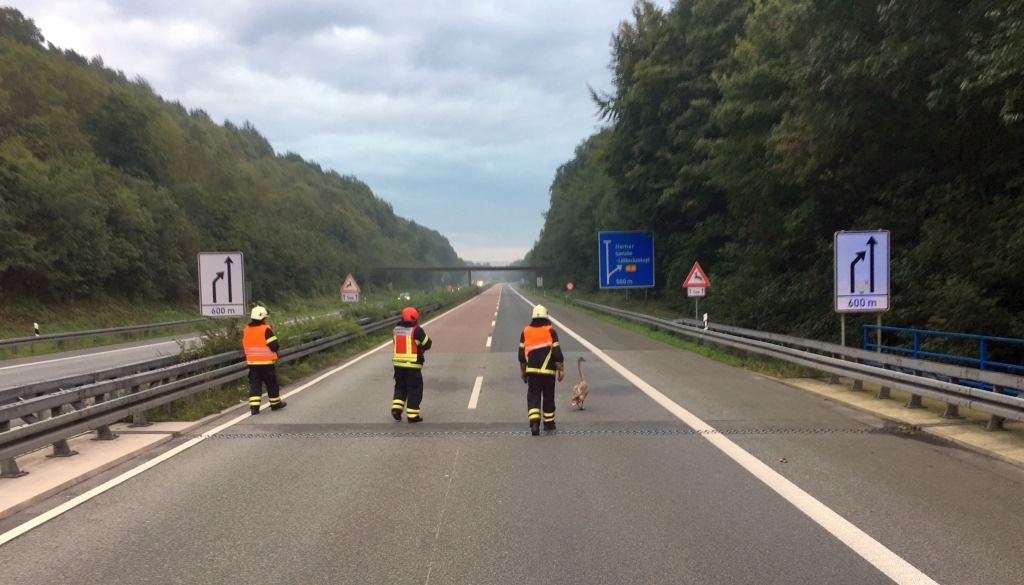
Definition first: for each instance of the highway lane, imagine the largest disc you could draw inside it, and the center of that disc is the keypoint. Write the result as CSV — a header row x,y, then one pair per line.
x,y
28,370
331,490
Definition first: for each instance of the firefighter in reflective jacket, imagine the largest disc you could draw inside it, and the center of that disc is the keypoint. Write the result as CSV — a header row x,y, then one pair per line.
x,y
540,362
261,346
411,342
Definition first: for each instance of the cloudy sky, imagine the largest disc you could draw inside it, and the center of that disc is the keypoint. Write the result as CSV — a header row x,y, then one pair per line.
x,y
456,112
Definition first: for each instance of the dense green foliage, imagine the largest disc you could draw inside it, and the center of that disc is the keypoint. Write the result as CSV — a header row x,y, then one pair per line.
x,y
744,134
107,189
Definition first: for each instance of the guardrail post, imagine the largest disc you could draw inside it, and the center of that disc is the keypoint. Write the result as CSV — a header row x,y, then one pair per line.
x,y
9,467
62,449
857,386
167,406
915,400
883,391
139,418
952,410
996,423
103,432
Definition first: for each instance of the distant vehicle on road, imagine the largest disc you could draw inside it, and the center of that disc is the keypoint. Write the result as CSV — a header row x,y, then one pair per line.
x,y
403,296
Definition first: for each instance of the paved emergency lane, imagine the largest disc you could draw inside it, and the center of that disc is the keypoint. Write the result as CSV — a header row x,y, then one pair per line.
x,y
331,490
29,370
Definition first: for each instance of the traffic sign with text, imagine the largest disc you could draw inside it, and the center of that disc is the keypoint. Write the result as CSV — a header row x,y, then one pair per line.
x,y
350,290
862,271
221,284
625,259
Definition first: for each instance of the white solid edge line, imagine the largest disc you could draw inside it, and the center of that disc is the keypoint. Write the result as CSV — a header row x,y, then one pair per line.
x,y
112,483
475,396
883,559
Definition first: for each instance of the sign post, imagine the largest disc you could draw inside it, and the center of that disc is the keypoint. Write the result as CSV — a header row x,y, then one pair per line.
x,y
625,259
221,284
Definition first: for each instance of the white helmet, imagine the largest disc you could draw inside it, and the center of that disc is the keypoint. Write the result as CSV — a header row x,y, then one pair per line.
x,y
259,313
540,311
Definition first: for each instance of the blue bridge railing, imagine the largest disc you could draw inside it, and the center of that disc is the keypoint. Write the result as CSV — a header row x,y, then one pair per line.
x,y
936,345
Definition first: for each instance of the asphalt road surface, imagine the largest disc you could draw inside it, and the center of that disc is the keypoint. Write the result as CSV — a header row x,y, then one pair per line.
x,y
680,470
29,370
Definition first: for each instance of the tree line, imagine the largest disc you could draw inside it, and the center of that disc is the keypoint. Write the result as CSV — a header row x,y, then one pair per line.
x,y
743,134
106,188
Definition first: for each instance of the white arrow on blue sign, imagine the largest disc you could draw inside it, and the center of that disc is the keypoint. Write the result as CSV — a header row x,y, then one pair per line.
x,y
625,259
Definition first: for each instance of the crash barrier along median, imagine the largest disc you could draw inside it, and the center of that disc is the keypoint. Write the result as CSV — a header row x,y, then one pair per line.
x,y
51,412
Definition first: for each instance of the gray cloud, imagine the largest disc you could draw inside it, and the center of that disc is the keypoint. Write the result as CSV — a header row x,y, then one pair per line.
x,y
458,113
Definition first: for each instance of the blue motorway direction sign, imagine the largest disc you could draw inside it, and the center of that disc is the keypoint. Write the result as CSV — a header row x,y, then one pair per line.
x,y
626,259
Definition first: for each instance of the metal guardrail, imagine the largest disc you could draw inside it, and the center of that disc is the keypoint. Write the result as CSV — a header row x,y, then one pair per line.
x,y
17,342
919,339
112,395
928,379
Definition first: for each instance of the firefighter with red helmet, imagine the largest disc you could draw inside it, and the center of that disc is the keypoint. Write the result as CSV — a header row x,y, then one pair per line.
x,y
540,363
410,343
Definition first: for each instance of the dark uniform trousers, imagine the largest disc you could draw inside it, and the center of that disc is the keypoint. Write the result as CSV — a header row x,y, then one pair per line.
x,y
540,396
409,389
260,375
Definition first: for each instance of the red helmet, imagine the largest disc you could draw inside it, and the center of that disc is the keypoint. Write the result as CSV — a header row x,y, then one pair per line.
x,y
410,314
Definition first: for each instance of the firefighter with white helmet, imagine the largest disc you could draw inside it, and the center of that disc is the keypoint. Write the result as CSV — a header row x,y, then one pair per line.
x,y
261,346
410,343
540,363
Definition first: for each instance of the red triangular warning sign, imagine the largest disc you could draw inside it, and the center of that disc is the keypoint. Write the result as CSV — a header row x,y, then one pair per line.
x,y
350,285
697,278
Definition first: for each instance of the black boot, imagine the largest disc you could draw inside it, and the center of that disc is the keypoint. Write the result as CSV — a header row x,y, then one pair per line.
x,y
549,426
415,419
534,427
396,413
278,406
254,410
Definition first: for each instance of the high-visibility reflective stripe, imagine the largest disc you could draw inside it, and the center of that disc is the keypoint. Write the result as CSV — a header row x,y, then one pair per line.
x,y
255,344
406,352
538,338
